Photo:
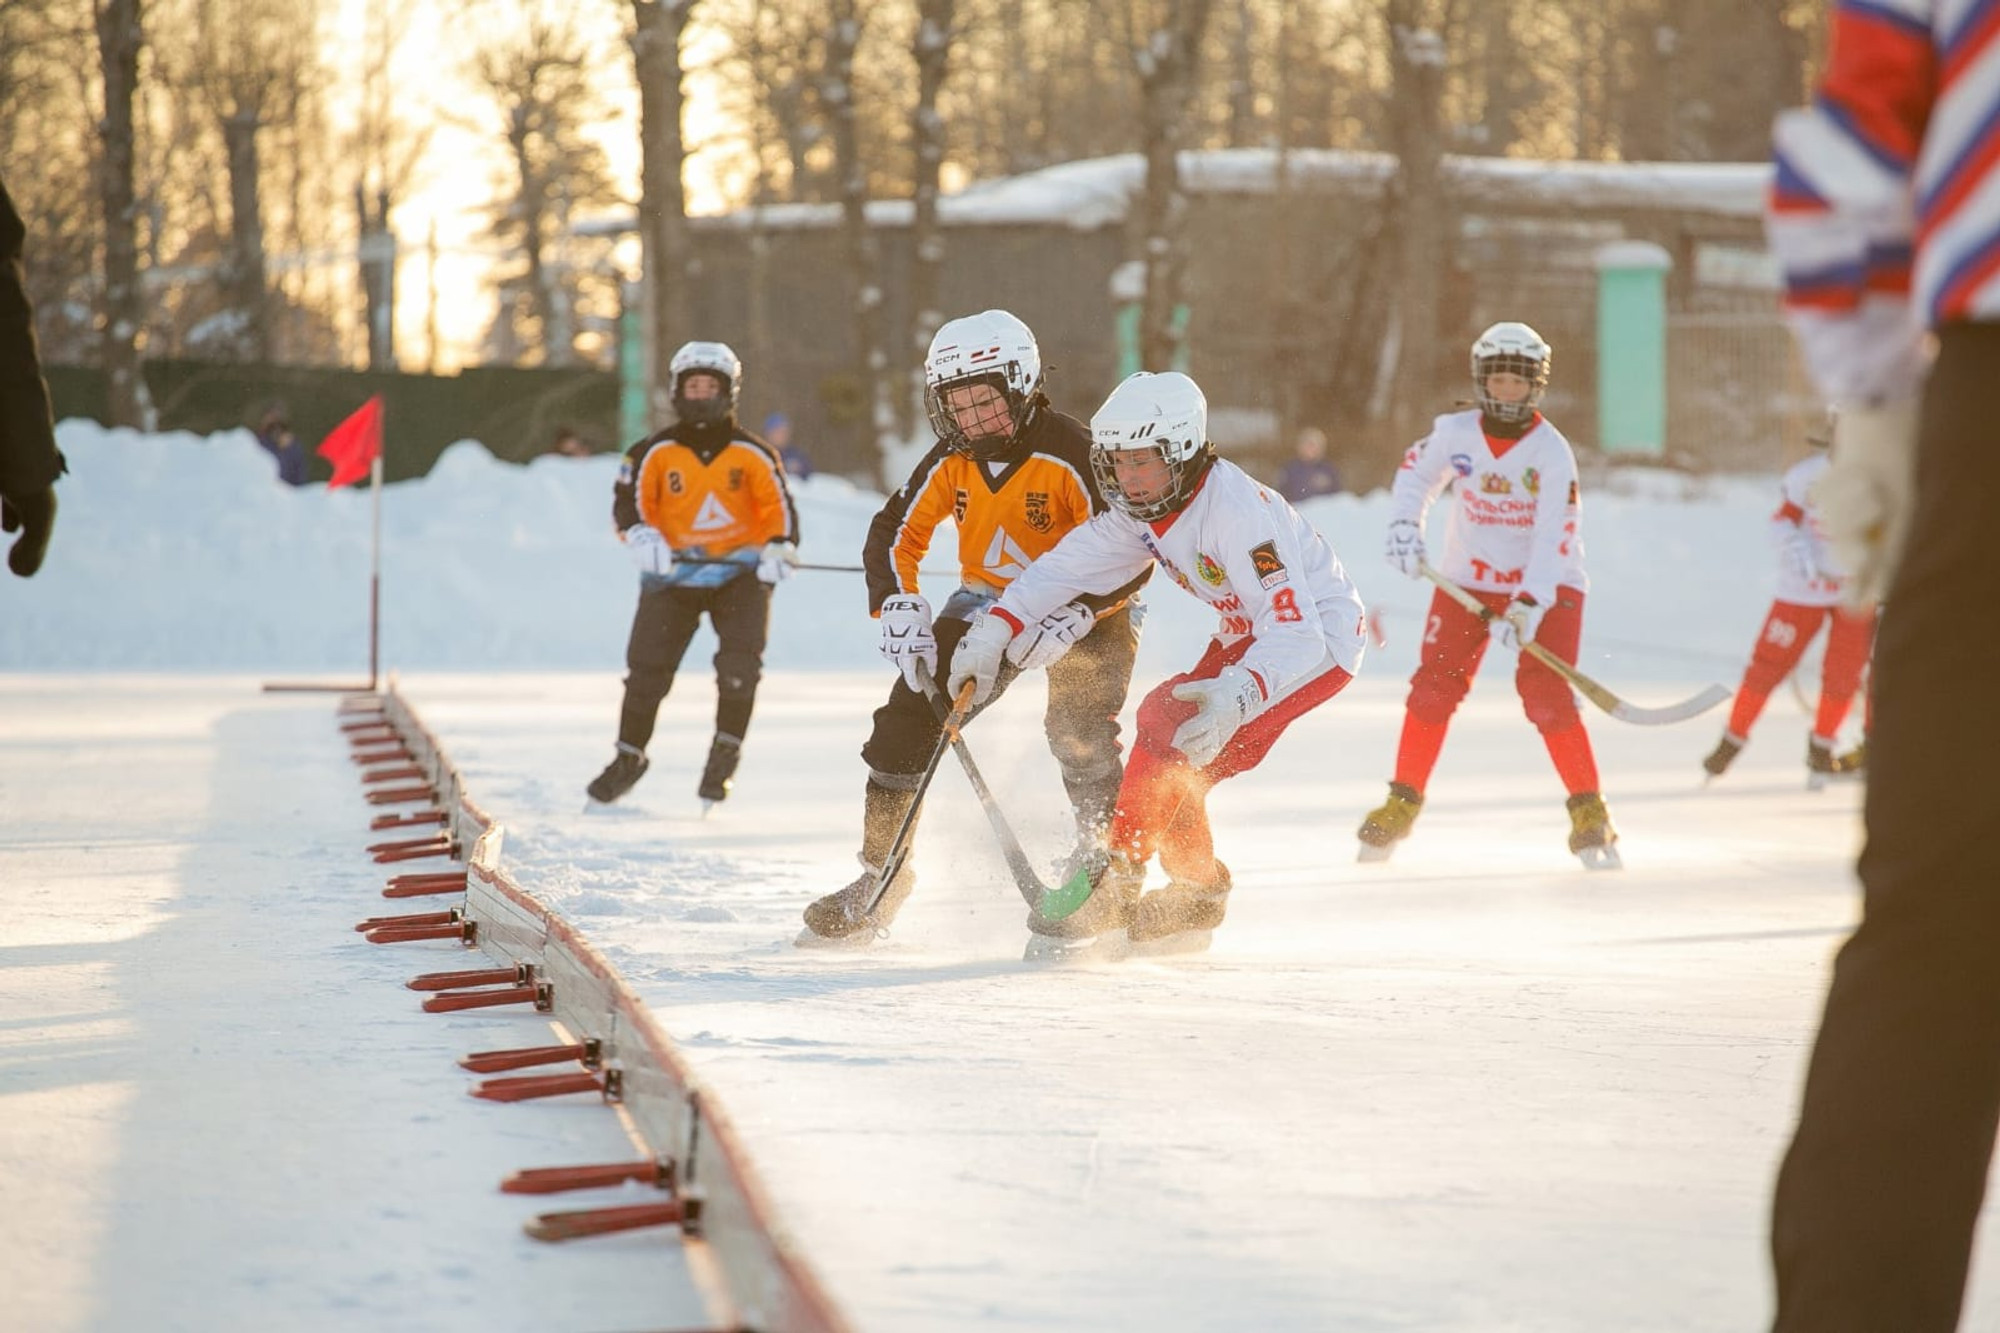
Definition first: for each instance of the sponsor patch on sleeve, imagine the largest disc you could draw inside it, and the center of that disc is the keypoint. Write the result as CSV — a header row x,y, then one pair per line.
x,y
1270,569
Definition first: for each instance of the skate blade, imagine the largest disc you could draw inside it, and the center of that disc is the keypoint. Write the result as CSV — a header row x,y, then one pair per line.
x,y
1601,858
1057,949
858,942
1367,853
706,806
1180,942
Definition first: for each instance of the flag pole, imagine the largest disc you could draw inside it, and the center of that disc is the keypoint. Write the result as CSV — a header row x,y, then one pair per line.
x,y
375,575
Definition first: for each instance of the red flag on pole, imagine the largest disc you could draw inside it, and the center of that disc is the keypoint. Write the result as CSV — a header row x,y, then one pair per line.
x,y
354,444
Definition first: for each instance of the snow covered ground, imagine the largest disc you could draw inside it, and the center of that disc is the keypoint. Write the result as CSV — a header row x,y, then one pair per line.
x,y
1473,1089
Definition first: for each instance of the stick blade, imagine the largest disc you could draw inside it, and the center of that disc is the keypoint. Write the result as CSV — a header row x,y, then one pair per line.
x,y
1670,713
1064,899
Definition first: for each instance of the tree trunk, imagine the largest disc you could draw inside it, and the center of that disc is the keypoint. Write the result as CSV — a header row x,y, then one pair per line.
x,y
1167,79
863,260
247,293
927,243
120,34
1419,209
668,254
376,259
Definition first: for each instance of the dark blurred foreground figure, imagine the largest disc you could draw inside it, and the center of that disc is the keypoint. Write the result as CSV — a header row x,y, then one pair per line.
x,y
1885,215
29,462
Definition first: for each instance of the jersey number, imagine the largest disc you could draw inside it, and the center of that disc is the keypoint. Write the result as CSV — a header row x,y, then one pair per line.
x,y
1286,604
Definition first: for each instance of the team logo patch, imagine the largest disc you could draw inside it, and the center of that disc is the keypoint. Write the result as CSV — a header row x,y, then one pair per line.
x,y
959,500
1270,569
1492,483
1211,573
736,479
1038,511
1532,481
1572,493
1462,464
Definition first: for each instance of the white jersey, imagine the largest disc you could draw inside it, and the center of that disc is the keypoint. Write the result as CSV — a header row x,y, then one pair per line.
x,y
1516,522
1797,521
1239,547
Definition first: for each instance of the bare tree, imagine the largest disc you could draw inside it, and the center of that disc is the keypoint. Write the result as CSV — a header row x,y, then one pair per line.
x,y
1167,61
1418,204
927,243
658,27
120,36
385,151
863,260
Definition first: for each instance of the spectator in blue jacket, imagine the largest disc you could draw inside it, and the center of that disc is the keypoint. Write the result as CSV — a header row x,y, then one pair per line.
x,y
1310,472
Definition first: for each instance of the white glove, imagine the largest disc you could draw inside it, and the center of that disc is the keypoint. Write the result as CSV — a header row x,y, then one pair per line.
x,y
1405,548
1865,496
907,638
1222,705
776,562
1516,625
1796,554
649,549
1044,642
977,657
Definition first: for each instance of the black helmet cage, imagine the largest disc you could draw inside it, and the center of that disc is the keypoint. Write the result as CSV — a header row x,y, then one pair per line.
x,y
1534,369
987,448
704,411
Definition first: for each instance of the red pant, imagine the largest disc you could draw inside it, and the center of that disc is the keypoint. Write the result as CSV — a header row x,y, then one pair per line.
x,y
1455,642
1782,642
1162,803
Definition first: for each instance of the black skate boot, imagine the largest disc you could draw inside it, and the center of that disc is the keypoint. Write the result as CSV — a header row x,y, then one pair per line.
x,y
1114,883
1591,836
1824,766
1723,755
1389,823
843,914
723,755
1182,917
618,777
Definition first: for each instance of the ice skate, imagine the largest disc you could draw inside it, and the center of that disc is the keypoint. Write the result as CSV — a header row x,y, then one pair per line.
x,y
1182,917
1722,756
1591,836
842,917
1389,823
724,753
1824,766
619,776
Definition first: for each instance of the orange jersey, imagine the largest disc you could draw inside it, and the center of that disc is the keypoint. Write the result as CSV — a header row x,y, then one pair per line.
x,y
721,492
1003,521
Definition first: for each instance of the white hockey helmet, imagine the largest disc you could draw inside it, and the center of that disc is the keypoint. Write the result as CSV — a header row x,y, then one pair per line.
x,y
991,347
1511,347
1167,413
706,358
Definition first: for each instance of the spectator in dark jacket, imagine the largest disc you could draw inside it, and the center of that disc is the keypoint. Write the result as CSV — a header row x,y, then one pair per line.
x,y
1310,472
29,461
274,432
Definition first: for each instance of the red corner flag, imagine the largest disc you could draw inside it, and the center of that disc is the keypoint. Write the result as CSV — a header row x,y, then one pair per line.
x,y
354,444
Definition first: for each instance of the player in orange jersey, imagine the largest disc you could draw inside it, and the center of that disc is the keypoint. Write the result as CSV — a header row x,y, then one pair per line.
x,y
706,515
1014,475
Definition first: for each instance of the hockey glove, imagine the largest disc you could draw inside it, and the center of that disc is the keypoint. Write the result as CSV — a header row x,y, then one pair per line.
x,y
1865,496
1222,706
1044,642
776,562
1405,548
1516,625
977,657
649,550
1795,553
35,517
907,638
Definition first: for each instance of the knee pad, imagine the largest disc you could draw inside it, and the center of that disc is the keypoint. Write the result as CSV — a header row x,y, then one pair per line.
x,y
1549,705
736,677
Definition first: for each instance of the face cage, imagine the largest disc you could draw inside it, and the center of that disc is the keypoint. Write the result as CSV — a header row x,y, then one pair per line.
x,y
1535,370
1184,474
987,448
705,411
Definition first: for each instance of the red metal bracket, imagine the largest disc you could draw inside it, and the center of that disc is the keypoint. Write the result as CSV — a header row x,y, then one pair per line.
x,y
441,845
530,1086
401,795
540,994
382,823
407,919
517,975
588,1051
382,775
405,844
391,755
604,1221
418,886
557,1179
465,932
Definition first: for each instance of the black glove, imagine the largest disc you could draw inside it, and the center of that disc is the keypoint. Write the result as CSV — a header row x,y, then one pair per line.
x,y
35,517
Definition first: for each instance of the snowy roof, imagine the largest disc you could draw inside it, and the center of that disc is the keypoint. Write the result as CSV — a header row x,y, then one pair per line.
x,y
1096,192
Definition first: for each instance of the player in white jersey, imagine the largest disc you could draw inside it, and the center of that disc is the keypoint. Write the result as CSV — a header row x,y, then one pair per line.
x,y
1511,538
1810,588
1290,638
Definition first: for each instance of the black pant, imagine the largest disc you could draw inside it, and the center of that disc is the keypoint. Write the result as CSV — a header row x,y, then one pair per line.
x,y
662,628
1086,691
1872,1226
